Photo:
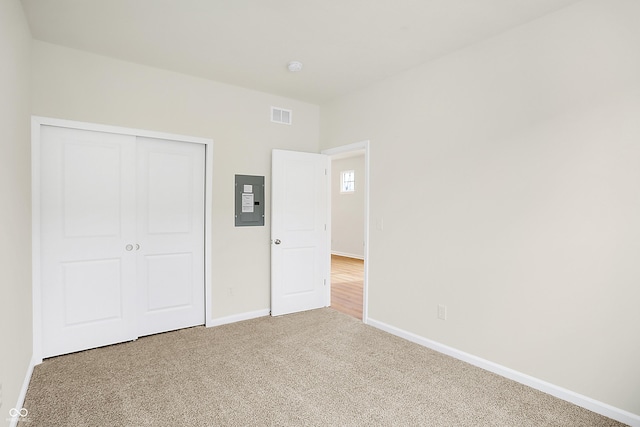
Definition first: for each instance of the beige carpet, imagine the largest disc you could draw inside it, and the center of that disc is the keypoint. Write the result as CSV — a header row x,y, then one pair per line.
x,y
319,368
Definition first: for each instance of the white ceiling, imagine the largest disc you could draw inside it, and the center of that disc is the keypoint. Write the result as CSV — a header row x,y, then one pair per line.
x,y
344,44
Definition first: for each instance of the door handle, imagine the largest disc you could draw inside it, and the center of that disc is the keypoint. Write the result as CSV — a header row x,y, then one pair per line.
x,y
277,241
129,247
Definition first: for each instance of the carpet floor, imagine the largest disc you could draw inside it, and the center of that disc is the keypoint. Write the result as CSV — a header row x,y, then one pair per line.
x,y
317,368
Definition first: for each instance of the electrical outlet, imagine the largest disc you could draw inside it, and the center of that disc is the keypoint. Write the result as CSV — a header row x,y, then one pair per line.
x,y
442,312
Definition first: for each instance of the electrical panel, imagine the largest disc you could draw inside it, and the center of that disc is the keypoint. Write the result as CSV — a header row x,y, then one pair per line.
x,y
249,200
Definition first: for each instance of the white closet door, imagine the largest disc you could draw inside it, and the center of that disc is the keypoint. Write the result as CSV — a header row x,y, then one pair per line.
x,y
122,237
88,276
170,232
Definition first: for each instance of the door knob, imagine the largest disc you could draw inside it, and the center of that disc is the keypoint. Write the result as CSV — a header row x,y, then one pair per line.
x,y
277,242
129,247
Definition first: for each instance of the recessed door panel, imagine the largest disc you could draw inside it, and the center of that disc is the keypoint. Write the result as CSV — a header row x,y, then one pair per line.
x,y
169,192
299,271
92,291
91,189
168,281
299,193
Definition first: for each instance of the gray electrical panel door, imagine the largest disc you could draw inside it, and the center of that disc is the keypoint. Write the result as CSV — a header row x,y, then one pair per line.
x,y
249,200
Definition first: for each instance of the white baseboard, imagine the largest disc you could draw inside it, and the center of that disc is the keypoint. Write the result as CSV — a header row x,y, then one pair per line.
x,y
13,422
344,254
238,317
554,390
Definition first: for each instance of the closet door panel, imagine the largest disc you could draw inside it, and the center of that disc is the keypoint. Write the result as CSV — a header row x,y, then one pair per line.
x,y
170,230
88,276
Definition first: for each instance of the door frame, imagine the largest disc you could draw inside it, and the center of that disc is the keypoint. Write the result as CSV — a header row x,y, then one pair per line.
x,y
356,146
36,123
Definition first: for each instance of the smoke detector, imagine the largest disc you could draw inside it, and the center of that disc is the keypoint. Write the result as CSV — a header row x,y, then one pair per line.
x,y
294,66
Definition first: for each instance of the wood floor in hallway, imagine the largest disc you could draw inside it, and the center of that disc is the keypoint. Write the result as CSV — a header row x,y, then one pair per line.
x,y
347,280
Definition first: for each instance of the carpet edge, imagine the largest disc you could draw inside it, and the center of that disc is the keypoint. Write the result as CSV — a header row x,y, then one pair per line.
x,y
585,402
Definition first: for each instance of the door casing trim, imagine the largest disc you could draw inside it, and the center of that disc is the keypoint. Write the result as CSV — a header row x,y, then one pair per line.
x,y
356,146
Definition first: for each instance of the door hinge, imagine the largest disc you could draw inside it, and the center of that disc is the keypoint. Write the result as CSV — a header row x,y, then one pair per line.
x,y
325,172
325,282
325,227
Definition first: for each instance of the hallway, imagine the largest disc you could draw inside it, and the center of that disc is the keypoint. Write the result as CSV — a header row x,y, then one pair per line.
x,y
347,279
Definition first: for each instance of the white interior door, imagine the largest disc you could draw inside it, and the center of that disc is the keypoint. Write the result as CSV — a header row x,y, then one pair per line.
x,y
122,237
87,202
299,245
170,235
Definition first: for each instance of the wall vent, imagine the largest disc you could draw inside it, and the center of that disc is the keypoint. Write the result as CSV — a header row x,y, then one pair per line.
x,y
280,115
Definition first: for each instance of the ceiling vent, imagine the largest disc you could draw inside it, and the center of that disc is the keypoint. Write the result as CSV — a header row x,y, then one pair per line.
x,y
280,115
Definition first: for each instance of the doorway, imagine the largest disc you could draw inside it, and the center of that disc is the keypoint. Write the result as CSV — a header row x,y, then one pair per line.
x,y
349,195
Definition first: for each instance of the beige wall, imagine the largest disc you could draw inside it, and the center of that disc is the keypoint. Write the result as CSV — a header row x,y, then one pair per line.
x,y
15,204
507,177
73,85
347,209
